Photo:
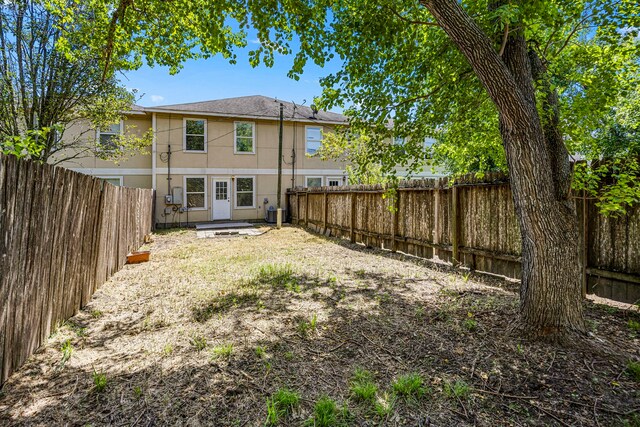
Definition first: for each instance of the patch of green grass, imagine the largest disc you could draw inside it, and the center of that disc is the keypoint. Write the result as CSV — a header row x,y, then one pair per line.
x,y
198,342
137,392
278,276
633,369
67,351
99,381
325,413
362,386
420,312
384,405
281,404
167,349
458,389
289,355
409,385
470,324
305,326
96,314
633,421
260,352
224,303
223,351
634,325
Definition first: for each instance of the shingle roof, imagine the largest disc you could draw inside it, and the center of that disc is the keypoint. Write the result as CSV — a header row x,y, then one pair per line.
x,y
253,106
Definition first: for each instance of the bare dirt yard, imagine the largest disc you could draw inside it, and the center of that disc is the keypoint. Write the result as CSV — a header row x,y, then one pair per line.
x,y
289,328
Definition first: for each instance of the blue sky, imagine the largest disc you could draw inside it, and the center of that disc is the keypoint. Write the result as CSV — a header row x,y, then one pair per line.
x,y
215,78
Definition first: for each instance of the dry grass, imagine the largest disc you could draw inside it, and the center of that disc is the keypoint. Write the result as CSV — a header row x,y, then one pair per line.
x,y
209,330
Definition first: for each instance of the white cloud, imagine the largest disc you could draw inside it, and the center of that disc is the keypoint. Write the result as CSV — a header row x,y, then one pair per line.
x,y
157,98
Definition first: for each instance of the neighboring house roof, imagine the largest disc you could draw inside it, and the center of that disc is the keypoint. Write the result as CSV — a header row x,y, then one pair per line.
x,y
255,106
136,109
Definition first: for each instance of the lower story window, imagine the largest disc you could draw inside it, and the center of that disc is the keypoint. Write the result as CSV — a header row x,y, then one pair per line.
x,y
244,192
334,181
314,181
195,191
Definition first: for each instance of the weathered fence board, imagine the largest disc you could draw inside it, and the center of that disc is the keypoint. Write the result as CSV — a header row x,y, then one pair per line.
x,y
62,234
471,222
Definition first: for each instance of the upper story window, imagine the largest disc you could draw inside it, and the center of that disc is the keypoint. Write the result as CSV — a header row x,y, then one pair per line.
x,y
313,139
108,137
195,135
245,138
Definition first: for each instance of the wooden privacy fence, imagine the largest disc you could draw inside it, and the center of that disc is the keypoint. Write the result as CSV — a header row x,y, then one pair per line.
x,y
473,222
62,234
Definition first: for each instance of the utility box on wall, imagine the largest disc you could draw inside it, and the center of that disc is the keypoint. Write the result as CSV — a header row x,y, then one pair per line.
x,y
176,193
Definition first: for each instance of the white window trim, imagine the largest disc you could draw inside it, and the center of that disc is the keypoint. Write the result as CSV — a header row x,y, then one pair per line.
x,y
98,146
235,192
307,177
120,177
185,194
253,137
339,178
306,140
184,135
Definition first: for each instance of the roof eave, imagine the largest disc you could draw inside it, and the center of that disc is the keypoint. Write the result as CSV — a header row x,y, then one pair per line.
x,y
241,116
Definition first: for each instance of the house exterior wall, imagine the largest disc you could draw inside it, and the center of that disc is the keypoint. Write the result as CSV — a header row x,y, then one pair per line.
x,y
134,171
219,160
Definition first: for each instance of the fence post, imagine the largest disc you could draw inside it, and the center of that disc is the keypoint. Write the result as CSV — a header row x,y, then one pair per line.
x,y
324,214
306,210
455,226
352,227
297,207
394,225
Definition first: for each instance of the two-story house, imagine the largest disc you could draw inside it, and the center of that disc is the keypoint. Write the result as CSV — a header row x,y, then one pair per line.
x,y
218,160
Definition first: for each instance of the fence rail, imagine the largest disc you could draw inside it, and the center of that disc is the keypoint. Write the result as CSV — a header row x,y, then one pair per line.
x,y
62,234
472,222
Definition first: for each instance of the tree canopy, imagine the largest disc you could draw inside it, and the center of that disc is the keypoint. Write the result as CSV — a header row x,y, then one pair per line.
x,y
43,91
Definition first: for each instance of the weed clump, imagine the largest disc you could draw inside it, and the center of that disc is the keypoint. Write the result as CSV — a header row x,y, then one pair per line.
x,y
409,385
362,386
281,404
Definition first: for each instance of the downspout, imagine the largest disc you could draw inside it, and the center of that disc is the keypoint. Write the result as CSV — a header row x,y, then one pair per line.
x,y
154,150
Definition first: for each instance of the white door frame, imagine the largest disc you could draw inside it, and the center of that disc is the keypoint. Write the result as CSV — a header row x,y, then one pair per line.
x,y
227,179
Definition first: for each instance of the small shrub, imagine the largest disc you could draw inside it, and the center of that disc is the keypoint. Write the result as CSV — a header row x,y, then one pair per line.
x,y
289,355
199,343
280,404
96,314
633,369
223,351
325,413
409,385
459,389
168,349
634,325
99,381
362,386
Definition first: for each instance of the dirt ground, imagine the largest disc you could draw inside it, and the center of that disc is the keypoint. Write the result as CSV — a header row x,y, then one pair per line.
x,y
208,332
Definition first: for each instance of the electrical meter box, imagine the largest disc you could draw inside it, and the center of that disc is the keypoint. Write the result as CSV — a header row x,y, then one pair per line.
x,y
176,193
168,199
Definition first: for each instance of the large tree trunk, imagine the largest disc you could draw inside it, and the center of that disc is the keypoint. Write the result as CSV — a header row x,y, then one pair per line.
x,y
551,290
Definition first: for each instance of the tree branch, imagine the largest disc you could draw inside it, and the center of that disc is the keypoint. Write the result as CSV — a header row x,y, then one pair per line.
x,y
410,21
